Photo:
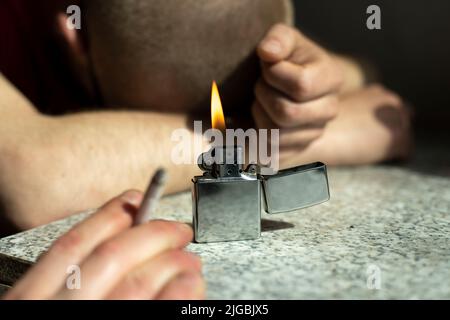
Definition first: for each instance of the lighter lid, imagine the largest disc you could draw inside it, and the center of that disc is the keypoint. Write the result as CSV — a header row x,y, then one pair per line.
x,y
295,188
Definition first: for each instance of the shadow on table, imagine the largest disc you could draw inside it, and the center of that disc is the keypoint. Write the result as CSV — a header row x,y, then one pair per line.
x,y
431,155
273,225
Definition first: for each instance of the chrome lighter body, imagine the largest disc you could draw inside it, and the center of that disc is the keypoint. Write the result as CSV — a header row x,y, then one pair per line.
x,y
226,209
227,200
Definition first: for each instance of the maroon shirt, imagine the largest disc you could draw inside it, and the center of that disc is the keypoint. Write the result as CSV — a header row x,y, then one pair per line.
x,y
30,57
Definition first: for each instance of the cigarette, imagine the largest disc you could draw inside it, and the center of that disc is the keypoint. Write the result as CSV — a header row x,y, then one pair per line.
x,y
151,197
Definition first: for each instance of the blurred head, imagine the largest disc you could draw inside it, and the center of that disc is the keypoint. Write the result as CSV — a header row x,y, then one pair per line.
x,y
163,54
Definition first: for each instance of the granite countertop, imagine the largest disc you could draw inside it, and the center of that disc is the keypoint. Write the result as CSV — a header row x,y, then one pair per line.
x,y
382,220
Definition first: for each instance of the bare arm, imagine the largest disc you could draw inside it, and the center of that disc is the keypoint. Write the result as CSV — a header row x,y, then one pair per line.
x,y
51,167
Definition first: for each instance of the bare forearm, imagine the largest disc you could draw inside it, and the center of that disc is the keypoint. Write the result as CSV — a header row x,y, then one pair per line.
x,y
79,161
122,148
119,150
71,163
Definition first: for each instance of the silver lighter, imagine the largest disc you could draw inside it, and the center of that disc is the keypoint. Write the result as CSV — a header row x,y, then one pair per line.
x,y
227,199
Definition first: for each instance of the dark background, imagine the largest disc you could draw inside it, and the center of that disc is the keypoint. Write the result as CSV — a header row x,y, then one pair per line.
x,y
411,51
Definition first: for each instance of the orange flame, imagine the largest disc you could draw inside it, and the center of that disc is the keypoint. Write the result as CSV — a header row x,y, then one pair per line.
x,y
217,117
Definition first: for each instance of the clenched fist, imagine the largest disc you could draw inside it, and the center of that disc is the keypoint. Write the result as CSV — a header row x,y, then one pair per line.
x,y
298,91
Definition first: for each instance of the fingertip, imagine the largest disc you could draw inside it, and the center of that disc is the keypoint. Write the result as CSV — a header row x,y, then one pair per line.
x,y
181,233
270,50
178,233
278,43
186,229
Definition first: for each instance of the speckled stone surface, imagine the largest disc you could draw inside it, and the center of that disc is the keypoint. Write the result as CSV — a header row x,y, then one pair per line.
x,y
395,220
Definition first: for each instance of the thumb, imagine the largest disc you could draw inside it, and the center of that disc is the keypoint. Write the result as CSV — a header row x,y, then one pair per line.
x,y
278,44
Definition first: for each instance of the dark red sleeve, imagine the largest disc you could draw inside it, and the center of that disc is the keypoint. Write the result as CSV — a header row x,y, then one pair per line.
x,y
15,63
31,56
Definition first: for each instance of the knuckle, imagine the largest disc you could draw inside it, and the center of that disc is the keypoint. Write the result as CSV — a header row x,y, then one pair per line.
x,y
301,86
117,218
108,249
68,244
284,112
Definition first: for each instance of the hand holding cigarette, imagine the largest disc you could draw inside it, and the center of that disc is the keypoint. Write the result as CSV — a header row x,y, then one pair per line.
x,y
116,260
